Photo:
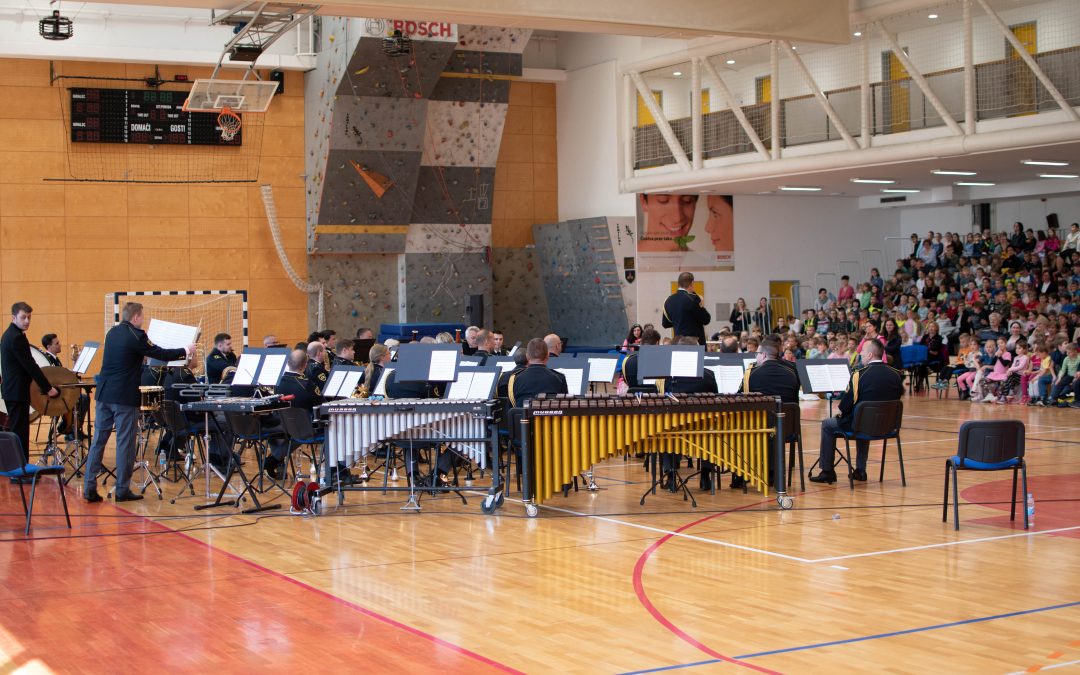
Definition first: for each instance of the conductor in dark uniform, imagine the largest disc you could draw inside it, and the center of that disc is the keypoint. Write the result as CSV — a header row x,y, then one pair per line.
x,y
19,370
630,363
118,399
875,381
220,358
685,312
536,378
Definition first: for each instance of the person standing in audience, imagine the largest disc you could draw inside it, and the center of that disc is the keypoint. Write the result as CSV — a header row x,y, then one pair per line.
x,y
741,317
684,310
846,292
875,381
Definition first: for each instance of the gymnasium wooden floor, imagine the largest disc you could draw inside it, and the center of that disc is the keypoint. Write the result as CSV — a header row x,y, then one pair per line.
x,y
870,580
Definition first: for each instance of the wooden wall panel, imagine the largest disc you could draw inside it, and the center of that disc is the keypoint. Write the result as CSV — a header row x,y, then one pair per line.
x,y
63,246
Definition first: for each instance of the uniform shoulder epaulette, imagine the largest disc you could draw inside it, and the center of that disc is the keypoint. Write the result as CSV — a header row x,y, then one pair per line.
x,y
217,356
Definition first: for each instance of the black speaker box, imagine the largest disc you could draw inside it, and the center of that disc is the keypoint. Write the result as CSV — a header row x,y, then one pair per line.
x,y
474,310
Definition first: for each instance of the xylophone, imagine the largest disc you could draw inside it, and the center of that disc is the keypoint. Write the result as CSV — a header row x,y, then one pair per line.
x,y
356,427
568,435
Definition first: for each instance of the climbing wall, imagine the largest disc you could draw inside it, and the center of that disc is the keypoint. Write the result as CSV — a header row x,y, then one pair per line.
x,y
520,303
362,290
402,161
581,281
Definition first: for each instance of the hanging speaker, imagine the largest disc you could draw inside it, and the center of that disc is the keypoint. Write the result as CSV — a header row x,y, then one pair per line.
x,y
474,310
1052,220
279,77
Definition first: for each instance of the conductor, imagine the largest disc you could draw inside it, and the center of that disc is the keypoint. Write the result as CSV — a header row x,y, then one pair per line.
x,y
118,399
685,311
19,369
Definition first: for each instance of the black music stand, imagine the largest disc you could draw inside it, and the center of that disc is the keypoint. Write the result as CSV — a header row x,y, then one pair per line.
x,y
264,368
602,369
576,372
474,383
418,362
342,381
728,370
824,376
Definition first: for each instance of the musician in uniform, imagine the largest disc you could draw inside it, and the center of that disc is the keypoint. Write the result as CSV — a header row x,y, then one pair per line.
x,y
502,389
649,336
220,358
706,384
19,369
875,381
378,357
316,368
498,343
554,344
306,395
771,376
51,343
484,346
345,354
118,399
685,311
536,378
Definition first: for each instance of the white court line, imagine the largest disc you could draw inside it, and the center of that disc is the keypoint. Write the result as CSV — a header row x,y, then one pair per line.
x,y
954,419
927,547
1056,665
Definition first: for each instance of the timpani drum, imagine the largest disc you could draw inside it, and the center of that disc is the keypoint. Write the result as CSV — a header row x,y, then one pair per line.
x,y
150,398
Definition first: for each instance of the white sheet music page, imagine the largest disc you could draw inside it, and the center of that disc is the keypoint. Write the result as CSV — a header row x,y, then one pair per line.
x,y
819,378
245,370
459,388
273,366
839,376
352,379
380,388
480,388
333,385
172,336
443,366
573,379
601,369
684,364
85,357
728,378
749,361
506,366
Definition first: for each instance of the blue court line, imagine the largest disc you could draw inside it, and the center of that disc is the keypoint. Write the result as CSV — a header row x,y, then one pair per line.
x,y
864,638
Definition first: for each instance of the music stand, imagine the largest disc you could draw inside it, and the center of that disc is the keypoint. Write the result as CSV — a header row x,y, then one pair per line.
x,y
470,361
824,376
342,381
89,351
419,362
474,383
260,366
362,347
667,361
576,373
728,369
504,363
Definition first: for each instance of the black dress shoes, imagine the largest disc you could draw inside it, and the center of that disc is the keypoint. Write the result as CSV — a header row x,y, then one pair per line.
x,y
858,474
824,477
128,496
92,497
737,482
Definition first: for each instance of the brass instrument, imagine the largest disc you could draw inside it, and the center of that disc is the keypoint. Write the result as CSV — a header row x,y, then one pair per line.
x,y
75,351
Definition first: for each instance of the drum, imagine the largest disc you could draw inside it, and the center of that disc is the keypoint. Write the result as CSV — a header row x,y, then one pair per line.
x,y
61,406
150,398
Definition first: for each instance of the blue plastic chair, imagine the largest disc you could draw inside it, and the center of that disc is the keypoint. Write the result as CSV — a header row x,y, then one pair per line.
x,y
911,357
12,466
995,445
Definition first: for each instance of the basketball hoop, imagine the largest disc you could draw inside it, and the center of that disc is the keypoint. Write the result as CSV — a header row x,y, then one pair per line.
x,y
229,123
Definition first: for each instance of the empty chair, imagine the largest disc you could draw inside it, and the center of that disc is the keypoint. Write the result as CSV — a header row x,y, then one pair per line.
x,y
994,445
13,466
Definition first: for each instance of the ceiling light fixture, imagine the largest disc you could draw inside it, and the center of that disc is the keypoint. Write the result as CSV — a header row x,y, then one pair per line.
x,y
931,16
731,62
677,73
900,191
974,183
1059,175
1043,162
874,181
857,33
949,172
800,188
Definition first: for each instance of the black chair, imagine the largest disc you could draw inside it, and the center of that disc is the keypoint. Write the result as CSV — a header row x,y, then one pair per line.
x,y
875,421
994,445
793,439
186,435
12,465
249,432
301,432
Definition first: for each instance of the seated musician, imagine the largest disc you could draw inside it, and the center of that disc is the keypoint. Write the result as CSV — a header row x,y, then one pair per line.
x,y
306,395
498,343
484,345
502,390
316,367
706,384
445,462
345,354
220,358
536,378
468,347
772,376
554,344
378,357
51,343
875,381
649,336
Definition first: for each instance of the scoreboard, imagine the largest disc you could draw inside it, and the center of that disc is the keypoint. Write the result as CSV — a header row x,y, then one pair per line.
x,y
141,116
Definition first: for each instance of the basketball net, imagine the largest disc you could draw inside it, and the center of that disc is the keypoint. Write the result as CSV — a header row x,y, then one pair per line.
x,y
229,123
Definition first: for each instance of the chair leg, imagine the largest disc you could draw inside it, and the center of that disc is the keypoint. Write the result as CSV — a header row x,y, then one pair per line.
x,y
30,511
63,498
945,499
900,459
802,474
1023,477
881,472
1012,495
851,468
22,494
956,499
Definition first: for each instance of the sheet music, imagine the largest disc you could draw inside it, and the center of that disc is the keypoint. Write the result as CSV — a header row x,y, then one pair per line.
x,y
480,387
505,366
443,366
468,364
245,370
513,350
839,376
573,379
459,388
273,366
333,385
828,378
749,361
728,378
87,354
602,369
172,336
684,364
380,388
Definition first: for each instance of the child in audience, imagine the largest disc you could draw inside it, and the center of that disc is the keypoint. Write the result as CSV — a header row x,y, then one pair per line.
x,y
1020,365
1044,377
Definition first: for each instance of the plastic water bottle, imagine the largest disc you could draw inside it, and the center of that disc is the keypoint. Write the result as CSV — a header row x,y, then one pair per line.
x,y
161,460
1030,508
313,473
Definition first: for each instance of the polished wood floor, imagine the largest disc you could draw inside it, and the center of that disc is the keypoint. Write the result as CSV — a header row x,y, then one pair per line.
x,y
844,582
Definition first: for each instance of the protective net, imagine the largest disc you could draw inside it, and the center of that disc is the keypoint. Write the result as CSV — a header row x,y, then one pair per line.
x,y
215,311
122,130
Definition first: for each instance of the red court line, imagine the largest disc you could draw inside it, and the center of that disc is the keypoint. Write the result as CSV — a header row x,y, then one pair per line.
x,y
643,597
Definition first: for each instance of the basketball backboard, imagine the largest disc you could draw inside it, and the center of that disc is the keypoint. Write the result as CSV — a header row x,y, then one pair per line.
x,y
238,95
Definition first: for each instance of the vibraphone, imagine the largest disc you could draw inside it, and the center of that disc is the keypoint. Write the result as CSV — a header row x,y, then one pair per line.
x,y
357,427
566,436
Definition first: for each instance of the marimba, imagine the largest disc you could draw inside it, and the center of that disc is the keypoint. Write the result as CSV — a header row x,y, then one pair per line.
x,y
566,436
356,427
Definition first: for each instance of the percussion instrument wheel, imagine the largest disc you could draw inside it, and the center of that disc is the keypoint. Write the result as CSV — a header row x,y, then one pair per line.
x,y
499,499
785,501
531,510
487,507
